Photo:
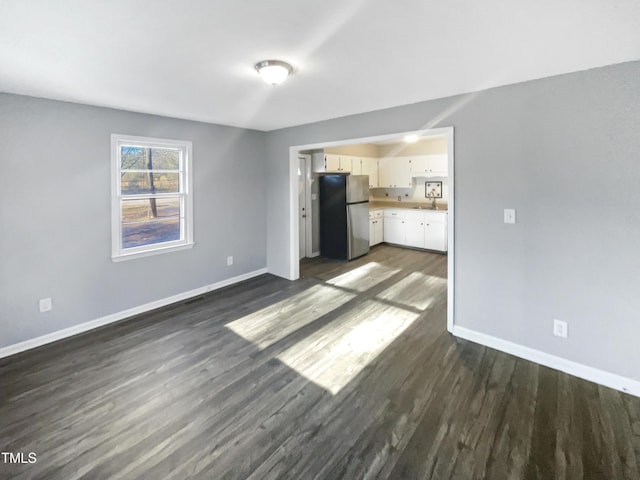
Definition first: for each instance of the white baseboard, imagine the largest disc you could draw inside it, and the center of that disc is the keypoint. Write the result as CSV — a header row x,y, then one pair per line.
x,y
115,317
585,372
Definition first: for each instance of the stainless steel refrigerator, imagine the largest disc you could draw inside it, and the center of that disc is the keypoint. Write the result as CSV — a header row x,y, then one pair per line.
x,y
344,215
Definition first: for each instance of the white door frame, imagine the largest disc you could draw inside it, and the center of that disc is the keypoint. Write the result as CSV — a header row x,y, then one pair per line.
x,y
294,268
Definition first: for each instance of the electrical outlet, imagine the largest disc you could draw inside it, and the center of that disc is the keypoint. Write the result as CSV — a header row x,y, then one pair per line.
x,y
509,215
229,261
46,304
560,328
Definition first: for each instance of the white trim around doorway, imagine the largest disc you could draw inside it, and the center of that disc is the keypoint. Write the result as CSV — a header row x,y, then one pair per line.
x,y
294,263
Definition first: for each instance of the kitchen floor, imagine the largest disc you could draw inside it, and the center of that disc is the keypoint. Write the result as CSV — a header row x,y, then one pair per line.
x,y
347,373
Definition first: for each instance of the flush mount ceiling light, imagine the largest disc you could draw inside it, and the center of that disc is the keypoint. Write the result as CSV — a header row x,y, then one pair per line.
x,y
411,138
273,71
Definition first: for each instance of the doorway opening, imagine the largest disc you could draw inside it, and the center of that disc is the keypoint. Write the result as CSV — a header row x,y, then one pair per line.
x,y
303,228
435,186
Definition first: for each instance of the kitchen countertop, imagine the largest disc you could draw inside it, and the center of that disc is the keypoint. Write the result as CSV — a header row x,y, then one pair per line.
x,y
407,205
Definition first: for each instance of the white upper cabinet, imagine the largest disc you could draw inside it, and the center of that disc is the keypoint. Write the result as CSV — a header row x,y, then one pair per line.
x,y
394,172
370,167
356,166
345,163
439,165
386,172
430,166
330,162
317,162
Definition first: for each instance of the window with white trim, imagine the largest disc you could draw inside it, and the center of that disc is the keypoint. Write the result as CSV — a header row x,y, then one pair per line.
x,y
152,205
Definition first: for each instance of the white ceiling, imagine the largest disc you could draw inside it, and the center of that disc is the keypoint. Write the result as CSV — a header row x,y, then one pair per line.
x,y
194,58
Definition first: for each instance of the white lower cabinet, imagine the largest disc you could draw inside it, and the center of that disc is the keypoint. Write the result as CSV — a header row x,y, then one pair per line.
x,y
435,231
417,229
371,231
376,228
376,233
414,229
394,227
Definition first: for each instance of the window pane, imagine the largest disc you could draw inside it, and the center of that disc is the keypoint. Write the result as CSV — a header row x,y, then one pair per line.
x,y
137,158
165,159
142,210
149,233
146,182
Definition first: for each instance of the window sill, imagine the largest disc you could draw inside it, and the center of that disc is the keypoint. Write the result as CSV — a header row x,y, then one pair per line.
x,y
147,253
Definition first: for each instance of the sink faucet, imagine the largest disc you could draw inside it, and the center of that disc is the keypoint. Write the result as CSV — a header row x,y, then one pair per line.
x,y
432,196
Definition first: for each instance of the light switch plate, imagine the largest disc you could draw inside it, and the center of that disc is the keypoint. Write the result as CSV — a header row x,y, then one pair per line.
x,y
46,304
509,215
560,328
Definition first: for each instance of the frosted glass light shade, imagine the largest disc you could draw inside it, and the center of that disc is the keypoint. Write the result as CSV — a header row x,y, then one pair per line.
x,y
273,71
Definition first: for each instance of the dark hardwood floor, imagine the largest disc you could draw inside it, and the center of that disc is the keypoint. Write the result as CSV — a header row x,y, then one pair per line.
x,y
347,373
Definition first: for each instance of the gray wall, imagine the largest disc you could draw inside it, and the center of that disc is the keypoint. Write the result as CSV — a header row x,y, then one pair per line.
x,y
55,214
563,151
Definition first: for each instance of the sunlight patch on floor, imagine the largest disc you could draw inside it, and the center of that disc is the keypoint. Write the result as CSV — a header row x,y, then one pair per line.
x,y
416,290
334,355
364,277
273,323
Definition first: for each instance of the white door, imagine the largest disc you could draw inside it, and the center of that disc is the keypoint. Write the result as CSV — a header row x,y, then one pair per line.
x,y
302,203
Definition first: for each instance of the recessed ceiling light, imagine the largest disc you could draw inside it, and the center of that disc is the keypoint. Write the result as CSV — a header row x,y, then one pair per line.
x,y
273,71
411,138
